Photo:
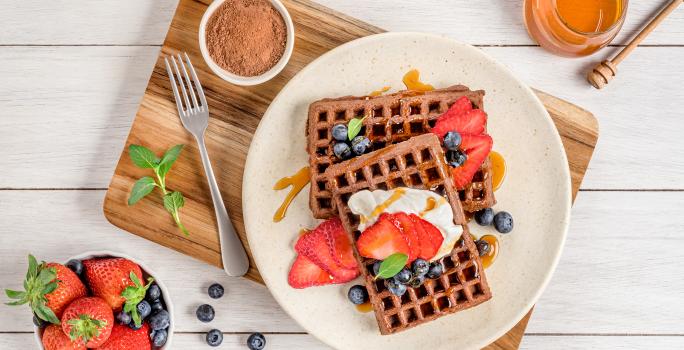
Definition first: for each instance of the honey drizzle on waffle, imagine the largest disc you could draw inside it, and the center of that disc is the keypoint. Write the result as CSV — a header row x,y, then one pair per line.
x,y
300,179
379,92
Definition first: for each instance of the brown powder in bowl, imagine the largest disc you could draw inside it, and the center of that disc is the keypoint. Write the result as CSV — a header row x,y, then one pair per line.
x,y
246,37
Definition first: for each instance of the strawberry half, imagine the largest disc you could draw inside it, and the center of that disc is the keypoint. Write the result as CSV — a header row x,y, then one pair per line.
x,y
382,239
476,148
304,273
339,243
468,122
403,222
430,237
314,245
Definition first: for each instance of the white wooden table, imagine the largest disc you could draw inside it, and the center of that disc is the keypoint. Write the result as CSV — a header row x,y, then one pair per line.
x,y
72,74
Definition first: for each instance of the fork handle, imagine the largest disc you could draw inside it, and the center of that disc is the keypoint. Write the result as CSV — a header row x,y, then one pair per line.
x,y
233,256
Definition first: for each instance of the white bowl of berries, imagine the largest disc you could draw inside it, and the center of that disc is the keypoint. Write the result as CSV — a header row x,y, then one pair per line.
x,y
102,299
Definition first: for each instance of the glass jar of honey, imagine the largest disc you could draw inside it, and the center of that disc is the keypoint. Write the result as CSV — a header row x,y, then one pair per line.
x,y
574,28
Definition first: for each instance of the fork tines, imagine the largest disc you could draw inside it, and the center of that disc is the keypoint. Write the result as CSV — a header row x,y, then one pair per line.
x,y
187,105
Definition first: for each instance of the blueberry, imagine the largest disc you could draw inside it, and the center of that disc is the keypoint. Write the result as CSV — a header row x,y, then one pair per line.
x,y
403,276
159,337
452,140
503,222
339,132
144,309
376,267
214,337
215,291
482,247
205,313
360,144
38,321
394,287
435,270
256,341
160,320
75,265
357,294
153,293
484,217
417,281
157,305
456,158
123,318
342,150
420,267
134,327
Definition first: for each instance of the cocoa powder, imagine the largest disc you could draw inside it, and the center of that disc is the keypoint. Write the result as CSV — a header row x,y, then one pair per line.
x,y
246,37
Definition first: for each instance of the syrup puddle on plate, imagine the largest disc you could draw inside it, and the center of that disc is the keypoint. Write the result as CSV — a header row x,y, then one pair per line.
x,y
413,83
365,307
498,169
379,92
489,258
297,181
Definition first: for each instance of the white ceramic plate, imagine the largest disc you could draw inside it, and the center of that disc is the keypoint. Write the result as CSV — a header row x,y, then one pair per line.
x,y
536,190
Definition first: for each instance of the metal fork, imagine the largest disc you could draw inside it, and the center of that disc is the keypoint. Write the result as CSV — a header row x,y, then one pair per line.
x,y
195,118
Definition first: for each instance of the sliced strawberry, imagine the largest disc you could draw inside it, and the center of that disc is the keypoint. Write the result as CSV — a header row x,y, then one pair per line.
x,y
339,243
304,273
459,107
476,148
403,222
381,240
314,246
471,122
430,237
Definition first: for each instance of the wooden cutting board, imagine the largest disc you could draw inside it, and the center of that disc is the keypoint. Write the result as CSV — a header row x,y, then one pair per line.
x,y
235,113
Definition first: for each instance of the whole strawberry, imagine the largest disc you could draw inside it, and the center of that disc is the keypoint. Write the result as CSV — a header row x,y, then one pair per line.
x,y
49,289
55,339
88,320
125,338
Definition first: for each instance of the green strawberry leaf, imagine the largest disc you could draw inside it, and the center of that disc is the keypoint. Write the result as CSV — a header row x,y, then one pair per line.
x,y
13,294
168,159
50,288
85,328
142,188
33,268
45,276
134,295
44,312
392,265
142,157
354,127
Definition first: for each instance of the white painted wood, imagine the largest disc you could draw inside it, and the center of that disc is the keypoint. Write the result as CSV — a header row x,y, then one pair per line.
x,y
531,342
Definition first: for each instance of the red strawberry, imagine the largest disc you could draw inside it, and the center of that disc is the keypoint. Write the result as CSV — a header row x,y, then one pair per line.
x,y
470,122
304,273
381,240
124,338
88,320
461,106
339,243
476,148
109,277
430,237
315,246
49,289
403,222
55,339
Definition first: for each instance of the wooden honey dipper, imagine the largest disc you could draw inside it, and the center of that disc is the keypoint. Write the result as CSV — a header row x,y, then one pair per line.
x,y
605,71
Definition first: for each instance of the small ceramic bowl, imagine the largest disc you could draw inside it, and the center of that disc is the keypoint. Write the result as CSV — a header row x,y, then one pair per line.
x,y
38,332
237,79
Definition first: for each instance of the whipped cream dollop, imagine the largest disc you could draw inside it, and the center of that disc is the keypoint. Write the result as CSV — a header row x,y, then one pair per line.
x,y
435,209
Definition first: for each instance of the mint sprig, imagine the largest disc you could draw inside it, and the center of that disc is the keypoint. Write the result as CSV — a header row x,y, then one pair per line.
x,y
134,295
392,265
144,158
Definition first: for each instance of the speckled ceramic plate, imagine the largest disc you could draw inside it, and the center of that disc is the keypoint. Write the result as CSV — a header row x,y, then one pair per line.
x,y
536,190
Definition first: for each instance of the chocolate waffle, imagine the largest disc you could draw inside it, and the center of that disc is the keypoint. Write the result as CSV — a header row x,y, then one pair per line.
x,y
416,163
390,119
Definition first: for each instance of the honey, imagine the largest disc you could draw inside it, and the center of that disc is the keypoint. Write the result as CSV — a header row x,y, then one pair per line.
x,y
298,181
574,28
365,307
379,92
498,169
412,81
489,258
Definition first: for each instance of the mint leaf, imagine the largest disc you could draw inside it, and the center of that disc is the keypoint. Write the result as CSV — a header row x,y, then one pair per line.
x,y
142,157
173,201
354,127
142,188
392,265
168,159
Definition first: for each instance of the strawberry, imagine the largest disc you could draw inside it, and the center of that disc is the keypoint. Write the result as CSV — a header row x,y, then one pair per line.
x,y
403,222
467,122
304,273
315,246
382,239
125,338
430,237
476,147
339,243
55,339
49,288
88,320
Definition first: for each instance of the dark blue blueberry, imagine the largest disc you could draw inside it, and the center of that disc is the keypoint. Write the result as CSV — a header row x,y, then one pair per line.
x,y
360,144
395,287
159,337
123,318
403,276
38,321
483,247
153,293
484,217
75,265
342,150
157,305
134,327
435,270
256,341
376,267
503,222
215,291
214,337
456,158
160,320
452,140
339,132
417,281
357,294
420,267
205,313
144,309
